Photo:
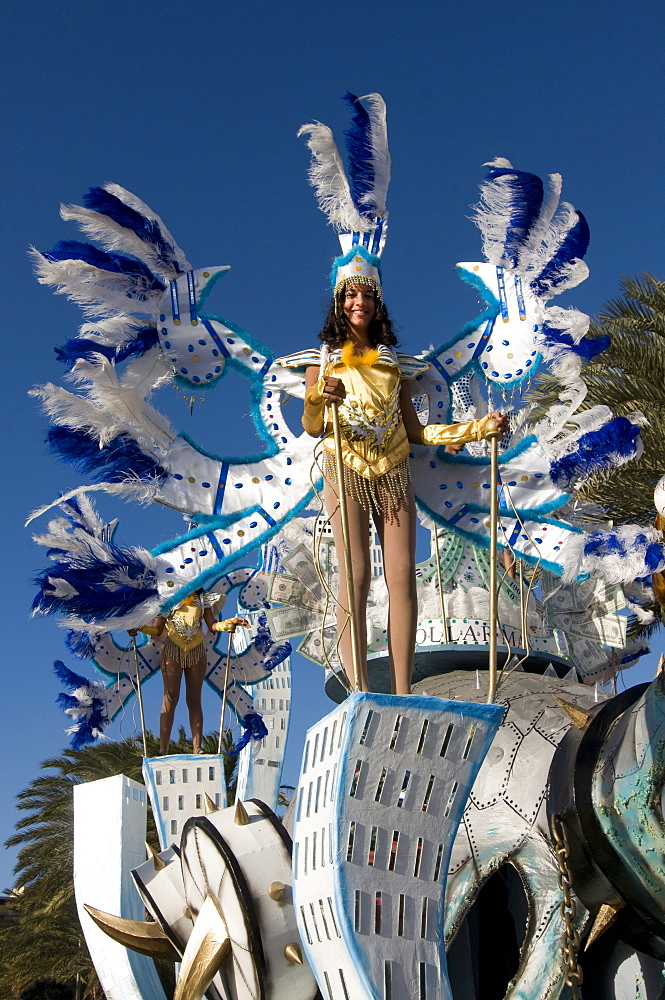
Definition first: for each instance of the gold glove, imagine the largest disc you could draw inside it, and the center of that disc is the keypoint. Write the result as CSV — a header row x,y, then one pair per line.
x,y
312,417
446,434
153,630
229,625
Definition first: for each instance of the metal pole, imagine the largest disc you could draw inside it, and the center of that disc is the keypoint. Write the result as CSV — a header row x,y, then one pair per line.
x,y
493,436
446,636
139,694
226,684
350,590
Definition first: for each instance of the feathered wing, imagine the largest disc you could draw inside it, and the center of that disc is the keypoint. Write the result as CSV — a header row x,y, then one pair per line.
x,y
534,246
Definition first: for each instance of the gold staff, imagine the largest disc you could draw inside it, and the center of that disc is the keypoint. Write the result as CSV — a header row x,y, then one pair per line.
x,y
139,694
350,590
493,434
229,626
442,599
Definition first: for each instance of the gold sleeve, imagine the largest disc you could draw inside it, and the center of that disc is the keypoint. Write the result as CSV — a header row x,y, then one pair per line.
x,y
153,630
313,417
445,434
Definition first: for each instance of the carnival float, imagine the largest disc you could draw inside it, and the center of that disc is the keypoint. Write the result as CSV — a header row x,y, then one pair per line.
x,y
499,832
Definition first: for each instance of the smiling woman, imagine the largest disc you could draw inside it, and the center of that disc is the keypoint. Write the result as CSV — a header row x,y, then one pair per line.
x,y
358,371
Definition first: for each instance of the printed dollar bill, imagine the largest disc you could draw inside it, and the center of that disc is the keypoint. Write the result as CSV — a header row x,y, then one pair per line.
x,y
587,654
314,648
287,590
610,630
299,562
285,623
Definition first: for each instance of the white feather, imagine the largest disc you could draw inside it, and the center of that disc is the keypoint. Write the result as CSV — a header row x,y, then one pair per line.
x,y
124,401
131,488
140,206
97,292
553,235
328,178
571,321
116,238
78,413
492,215
530,256
112,331
380,152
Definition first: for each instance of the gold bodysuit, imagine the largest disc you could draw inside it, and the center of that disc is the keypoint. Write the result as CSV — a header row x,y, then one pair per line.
x,y
375,446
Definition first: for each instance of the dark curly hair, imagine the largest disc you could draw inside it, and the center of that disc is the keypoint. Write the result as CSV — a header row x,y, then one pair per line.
x,y
335,330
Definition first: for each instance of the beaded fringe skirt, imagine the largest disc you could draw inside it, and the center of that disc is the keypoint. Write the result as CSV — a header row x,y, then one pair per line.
x,y
384,496
185,657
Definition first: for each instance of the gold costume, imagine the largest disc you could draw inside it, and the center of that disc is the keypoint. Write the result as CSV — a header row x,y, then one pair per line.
x,y
375,446
184,633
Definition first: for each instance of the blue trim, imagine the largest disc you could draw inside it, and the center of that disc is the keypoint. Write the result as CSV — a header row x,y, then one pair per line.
x,y
208,287
271,520
376,241
519,294
214,544
214,336
348,257
191,296
483,542
211,575
502,292
175,304
221,487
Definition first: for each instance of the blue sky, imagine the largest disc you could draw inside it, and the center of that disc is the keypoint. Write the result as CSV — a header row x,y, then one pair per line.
x,y
195,107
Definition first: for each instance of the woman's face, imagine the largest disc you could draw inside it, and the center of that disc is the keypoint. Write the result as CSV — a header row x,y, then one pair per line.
x,y
359,306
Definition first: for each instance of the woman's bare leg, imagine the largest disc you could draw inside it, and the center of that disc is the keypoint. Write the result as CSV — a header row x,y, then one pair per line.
x,y
358,519
171,674
194,677
398,541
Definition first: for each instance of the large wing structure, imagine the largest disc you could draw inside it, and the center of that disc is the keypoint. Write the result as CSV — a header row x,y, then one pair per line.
x,y
146,327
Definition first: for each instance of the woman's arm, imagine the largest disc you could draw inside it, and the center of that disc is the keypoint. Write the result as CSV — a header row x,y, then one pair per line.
x,y
155,628
318,392
453,436
209,619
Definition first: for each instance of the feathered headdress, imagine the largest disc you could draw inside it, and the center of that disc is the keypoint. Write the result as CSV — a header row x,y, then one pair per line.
x,y
354,200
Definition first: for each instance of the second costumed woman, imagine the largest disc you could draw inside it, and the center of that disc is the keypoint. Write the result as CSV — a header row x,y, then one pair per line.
x,y
358,370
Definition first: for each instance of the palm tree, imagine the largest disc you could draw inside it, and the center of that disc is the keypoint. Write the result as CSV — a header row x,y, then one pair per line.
x,y
45,942
628,376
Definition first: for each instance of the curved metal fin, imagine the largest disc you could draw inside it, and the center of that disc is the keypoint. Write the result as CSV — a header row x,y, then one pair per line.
x,y
207,950
144,936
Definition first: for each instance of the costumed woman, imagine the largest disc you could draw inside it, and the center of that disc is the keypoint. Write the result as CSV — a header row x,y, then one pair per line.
x,y
184,652
358,371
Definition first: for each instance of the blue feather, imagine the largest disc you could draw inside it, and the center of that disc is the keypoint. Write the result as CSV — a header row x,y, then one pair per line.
x,y
148,230
596,450
587,348
113,262
573,247
68,677
80,644
92,600
92,717
278,654
255,729
359,152
526,197
119,459
146,337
